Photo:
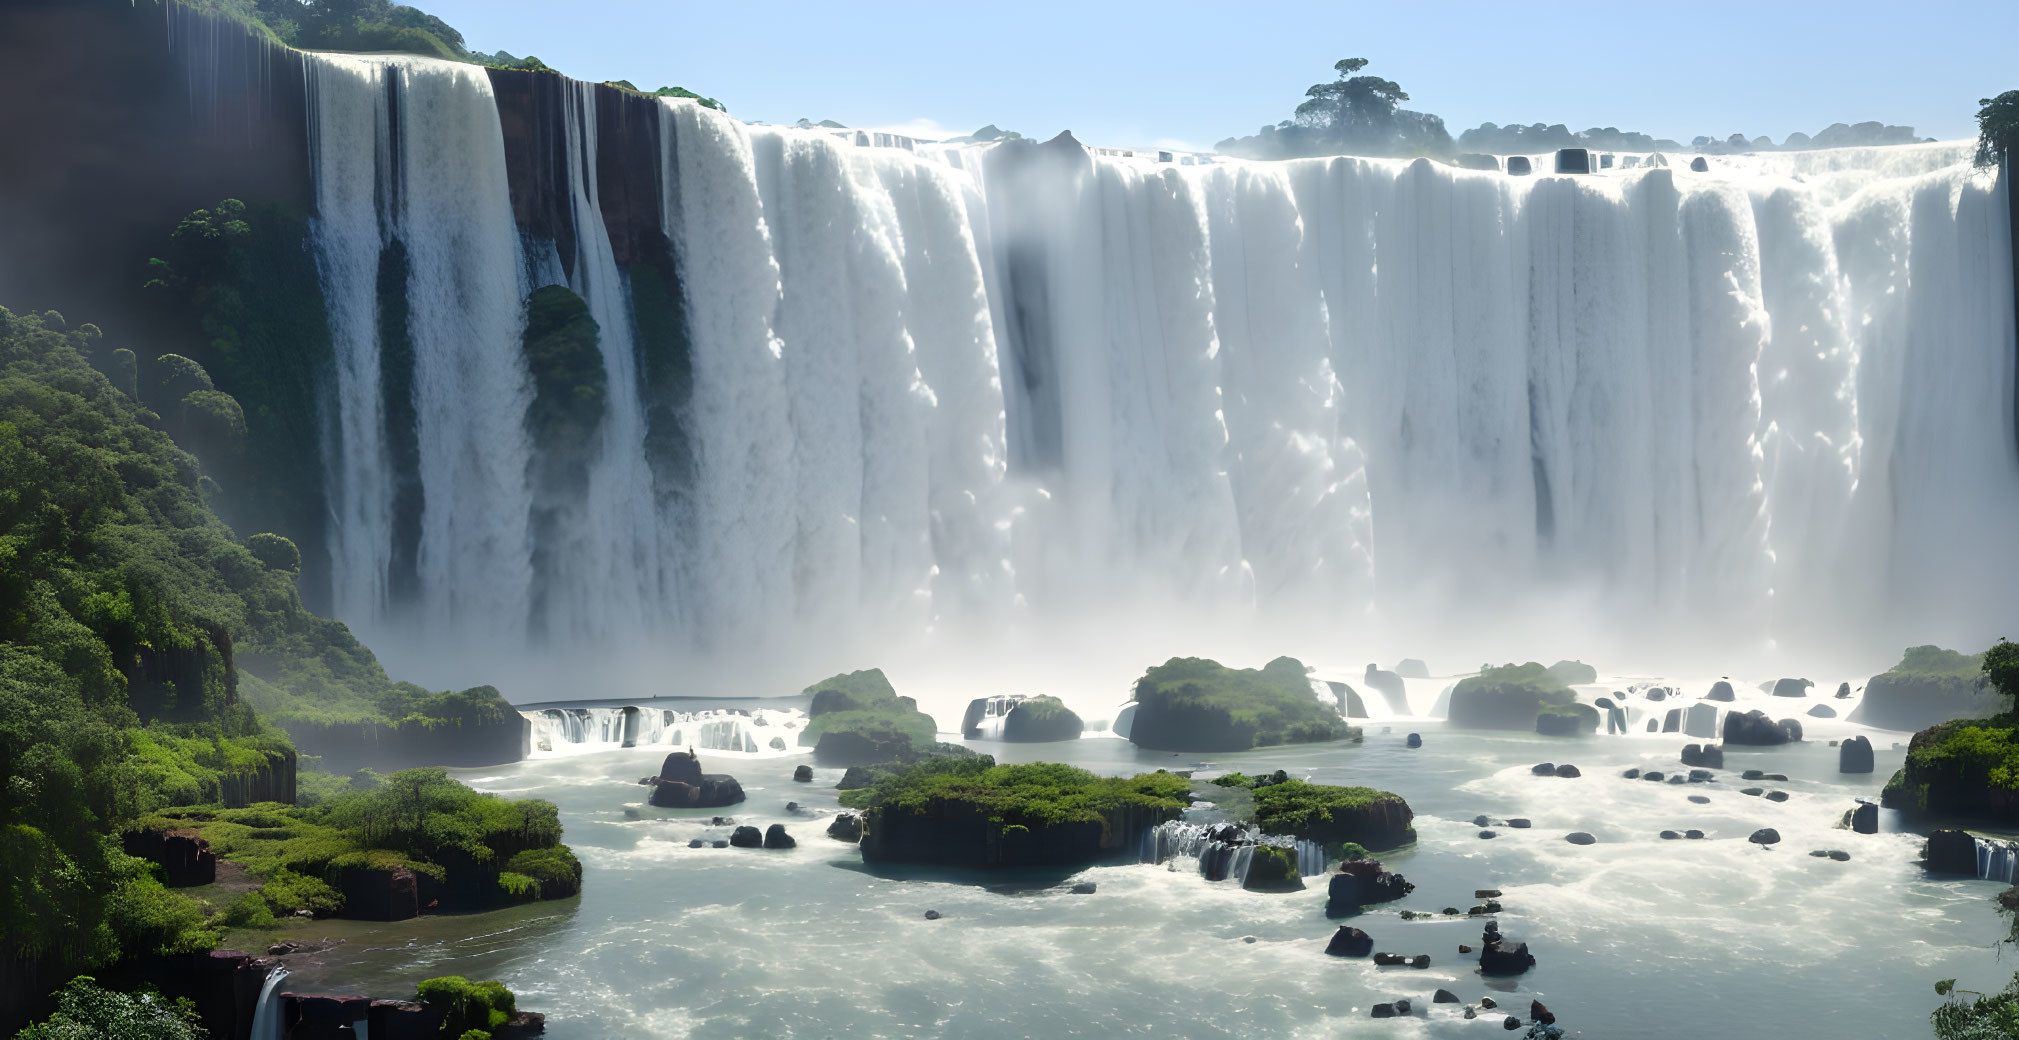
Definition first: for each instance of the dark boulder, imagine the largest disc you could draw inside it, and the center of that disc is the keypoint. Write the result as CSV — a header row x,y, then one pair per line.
x,y
1709,756
1755,728
1518,166
1672,722
1510,1023
1854,756
1543,769
1693,835
1843,691
1699,165
1700,799
1654,775
1083,888
1952,852
1350,942
681,785
1444,996
803,774
1840,855
1765,836
1700,776
1631,774
1488,834
1538,1013
1502,956
1865,819
1721,691
1777,796
1574,160
1752,792
1415,740
746,838
1753,774
1792,687
776,838
1362,883
1580,838
1822,711
1568,771
1518,823
933,915
1385,1011
1670,835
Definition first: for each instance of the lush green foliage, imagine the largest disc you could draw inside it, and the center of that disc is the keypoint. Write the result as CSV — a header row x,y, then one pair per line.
x,y
1997,127
417,819
1933,662
1992,1016
569,384
1356,114
86,1012
1308,810
1244,707
1573,673
1530,678
865,702
2001,668
468,1006
1035,795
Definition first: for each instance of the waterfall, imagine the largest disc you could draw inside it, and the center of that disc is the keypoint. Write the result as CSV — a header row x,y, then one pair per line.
x,y
576,730
938,389
1997,860
1222,851
266,1014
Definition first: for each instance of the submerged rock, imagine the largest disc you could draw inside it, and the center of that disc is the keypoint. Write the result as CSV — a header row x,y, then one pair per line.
x,y
1083,888
933,915
1700,799
1777,796
1519,823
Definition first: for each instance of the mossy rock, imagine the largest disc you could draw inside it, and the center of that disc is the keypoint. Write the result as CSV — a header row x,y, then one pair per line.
x,y
1508,697
1196,704
1040,720
1361,816
1273,868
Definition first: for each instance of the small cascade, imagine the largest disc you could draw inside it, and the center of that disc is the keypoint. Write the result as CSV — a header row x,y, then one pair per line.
x,y
1997,860
1222,850
766,731
266,1016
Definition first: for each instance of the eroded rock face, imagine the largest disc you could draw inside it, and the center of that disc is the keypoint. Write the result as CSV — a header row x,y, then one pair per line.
x,y
1360,884
1755,728
1865,819
846,827
1952,852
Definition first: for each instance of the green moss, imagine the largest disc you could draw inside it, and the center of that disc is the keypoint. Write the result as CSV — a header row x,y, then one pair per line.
x,y
1195,704
274,552
1035,795
569,383
1328,814
1273,868
467,1005
850,691
864,703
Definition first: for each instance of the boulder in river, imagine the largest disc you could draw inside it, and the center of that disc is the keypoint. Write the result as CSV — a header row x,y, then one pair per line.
x,y
1721,691
846,827
1580,838
1414,740
1518,823
1567,771
803,774
776,838
1502,956
1709,756
1765,836
1792,687
1756,728
1350,942
1444,996
1693,835
1699,165
1360,884
1865,818
1822,711
1700,799
682,785
1538,1013
1844,691
1952,852
1671,722
1777,796
1083,888
1854,756
746,838
1543,768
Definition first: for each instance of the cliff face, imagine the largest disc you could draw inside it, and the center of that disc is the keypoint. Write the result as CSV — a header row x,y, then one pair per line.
x,y
960,834
1493,707
1950,786
1913,703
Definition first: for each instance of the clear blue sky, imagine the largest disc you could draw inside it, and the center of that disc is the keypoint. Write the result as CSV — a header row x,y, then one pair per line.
x,y
1140,73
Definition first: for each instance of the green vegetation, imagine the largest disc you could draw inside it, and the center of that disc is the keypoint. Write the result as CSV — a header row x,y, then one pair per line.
x,y
1273,868
1195,704
86,1012
1507,697
1035,795
1350,114
1933,662
483,850
1997,128
569,384
468,1007
1042,719
1573,673
1334,815
863,712
377,27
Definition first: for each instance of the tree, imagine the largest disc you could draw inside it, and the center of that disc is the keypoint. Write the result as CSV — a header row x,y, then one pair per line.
x,y
1352,106
1997,128
2001,668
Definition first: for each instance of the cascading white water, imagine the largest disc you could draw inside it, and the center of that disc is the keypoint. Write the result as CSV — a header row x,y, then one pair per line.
x,y
409,150
766,731
954,387
1997,861
1221,852
266,1014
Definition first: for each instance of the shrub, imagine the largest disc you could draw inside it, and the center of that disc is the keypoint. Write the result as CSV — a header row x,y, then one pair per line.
x,y
468,1005
86,1012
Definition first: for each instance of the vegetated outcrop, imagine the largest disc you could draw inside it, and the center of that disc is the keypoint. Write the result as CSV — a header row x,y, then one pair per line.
x,y
473,727
1273,868
1510,697
1573,673
1361,883
1334,816
970,812
857,718
1929,686
1195,704
1026,720
1959,770
682,785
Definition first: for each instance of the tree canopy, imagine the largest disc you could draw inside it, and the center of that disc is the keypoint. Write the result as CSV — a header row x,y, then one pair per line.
x,y
1997,127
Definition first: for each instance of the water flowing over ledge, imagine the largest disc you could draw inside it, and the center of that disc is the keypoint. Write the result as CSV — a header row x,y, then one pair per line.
x,y
764,732
900,391
1223,851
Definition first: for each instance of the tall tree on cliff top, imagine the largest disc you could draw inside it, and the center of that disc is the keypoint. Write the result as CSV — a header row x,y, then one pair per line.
x,y
1997,128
